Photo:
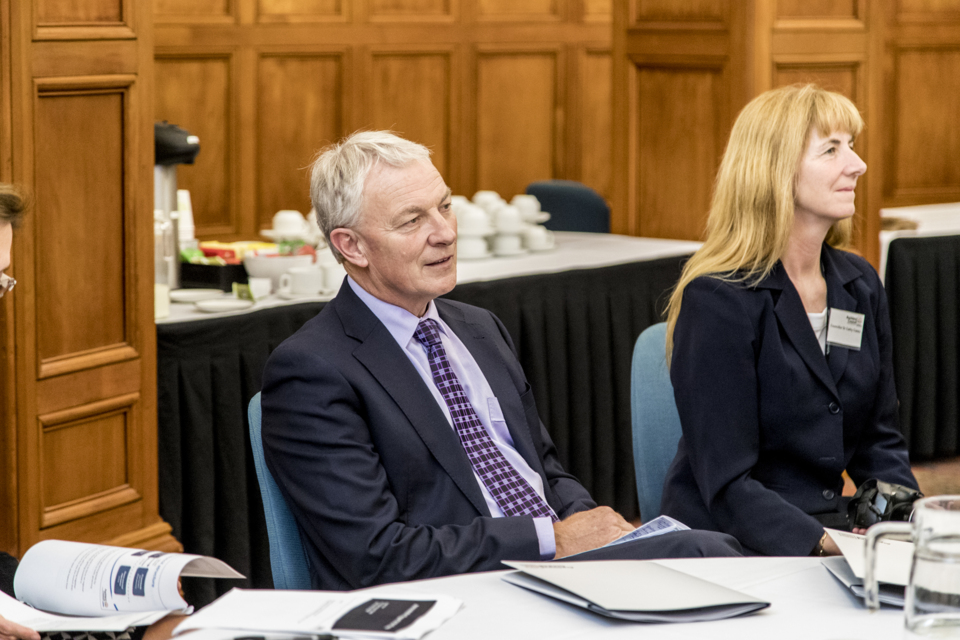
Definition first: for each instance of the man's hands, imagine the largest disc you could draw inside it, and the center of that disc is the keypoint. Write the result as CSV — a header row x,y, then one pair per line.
x,y
588,530
13,631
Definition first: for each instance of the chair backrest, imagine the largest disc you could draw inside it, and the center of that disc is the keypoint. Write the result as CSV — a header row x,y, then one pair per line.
x,y
656,423
572,206
288,562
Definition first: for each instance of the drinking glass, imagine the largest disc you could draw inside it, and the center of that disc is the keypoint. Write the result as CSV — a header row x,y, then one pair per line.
x,y
933,594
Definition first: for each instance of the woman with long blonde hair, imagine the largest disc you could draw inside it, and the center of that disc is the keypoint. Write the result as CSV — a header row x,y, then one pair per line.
x,y
778,340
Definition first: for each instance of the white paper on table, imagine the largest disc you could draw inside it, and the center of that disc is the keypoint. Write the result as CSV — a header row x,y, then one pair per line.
x,y
315,612
82,579
20,613
894,557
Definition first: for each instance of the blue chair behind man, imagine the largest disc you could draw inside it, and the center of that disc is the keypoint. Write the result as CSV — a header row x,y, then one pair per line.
x,y
288,562
656,423
572,206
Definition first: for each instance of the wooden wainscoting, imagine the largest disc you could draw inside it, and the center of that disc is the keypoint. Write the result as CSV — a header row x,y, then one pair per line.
x,y
922,94
503,92
684,68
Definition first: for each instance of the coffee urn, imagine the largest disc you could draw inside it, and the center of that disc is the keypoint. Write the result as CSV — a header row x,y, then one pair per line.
x,y
172,146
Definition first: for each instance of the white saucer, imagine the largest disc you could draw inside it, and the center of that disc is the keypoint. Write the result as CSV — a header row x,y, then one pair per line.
x,y
540,218
194,295
289,295
482,256
223,304
510,254
276,237
512,231
476,232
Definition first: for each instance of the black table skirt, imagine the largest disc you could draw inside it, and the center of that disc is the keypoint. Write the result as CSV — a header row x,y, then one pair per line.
x,y
923,286
574,332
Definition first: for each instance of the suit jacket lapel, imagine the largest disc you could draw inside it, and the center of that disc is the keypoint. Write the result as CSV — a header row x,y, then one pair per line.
x,y
499,379
796,325
838,274
386,361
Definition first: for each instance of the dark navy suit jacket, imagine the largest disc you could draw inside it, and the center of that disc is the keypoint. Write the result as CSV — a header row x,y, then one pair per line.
x,y
374,474
769,422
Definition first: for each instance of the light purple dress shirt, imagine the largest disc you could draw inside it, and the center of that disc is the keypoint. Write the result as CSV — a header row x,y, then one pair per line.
x,y
402,324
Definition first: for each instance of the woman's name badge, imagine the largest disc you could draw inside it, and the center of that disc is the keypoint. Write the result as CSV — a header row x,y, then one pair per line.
x,y
845,328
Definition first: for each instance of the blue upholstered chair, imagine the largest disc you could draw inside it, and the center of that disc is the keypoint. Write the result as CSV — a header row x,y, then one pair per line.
x,y
288,562
572,206
656,423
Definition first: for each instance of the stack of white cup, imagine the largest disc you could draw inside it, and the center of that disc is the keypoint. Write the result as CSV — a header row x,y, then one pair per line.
x,y
510,231
473,227
489,222
535,236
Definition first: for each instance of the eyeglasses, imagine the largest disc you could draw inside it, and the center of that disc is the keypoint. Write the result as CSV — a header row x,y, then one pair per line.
x,y
6,284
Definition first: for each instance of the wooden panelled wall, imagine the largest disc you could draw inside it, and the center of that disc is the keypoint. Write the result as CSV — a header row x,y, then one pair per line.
x,y
504,92
684,68
78,395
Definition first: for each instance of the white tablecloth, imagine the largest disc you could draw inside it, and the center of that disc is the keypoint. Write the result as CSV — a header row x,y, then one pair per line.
x,y
573,251
931,219
807,603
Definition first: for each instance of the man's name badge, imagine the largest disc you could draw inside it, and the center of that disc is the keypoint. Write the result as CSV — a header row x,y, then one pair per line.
x,y
845,328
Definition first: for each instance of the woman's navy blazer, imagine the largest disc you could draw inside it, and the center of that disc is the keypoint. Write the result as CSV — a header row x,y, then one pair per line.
x,y
769,422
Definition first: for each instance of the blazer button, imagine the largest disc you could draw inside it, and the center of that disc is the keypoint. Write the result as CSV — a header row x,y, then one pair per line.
x,y
828,494
834,408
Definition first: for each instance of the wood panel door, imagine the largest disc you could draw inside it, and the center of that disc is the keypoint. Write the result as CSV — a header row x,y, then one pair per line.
x,y
79,393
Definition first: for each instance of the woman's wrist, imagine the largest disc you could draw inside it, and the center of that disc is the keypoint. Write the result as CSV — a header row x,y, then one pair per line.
x,y
819,549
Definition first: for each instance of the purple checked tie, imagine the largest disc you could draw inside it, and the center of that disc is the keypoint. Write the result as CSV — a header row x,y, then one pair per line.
x,y
511,491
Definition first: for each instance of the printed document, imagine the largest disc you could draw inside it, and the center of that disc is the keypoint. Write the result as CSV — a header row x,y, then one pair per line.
x,y
80,579
357,614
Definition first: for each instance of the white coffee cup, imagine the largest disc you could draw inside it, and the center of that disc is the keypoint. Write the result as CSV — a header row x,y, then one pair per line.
x,y
528,205
288,222
473,218
508,219
471,247
538,238
333,275
260,287
456,202
486,198
507,244
302,281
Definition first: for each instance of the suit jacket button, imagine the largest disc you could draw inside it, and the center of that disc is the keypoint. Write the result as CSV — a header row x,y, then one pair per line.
x,y
828,494
834,408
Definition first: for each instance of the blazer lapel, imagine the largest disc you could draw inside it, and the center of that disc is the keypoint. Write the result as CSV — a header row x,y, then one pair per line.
x,y
838,274
498,377
796,325
385,360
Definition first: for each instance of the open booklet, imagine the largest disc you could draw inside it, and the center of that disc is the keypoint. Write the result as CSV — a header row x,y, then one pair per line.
x,y
109,586
636,590
656,527
357,614
894,558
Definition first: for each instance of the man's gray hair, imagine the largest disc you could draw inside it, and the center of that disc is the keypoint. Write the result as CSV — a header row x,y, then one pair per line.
x,y
340,170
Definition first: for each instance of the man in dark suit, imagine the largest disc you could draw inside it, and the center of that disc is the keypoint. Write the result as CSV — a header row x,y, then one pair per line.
x,y
400,427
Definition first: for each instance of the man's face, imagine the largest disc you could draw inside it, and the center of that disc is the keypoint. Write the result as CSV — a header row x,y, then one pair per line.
x,y
407,236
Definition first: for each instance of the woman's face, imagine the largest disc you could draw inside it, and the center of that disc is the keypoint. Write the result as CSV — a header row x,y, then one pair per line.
x,y
6,241
827,178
